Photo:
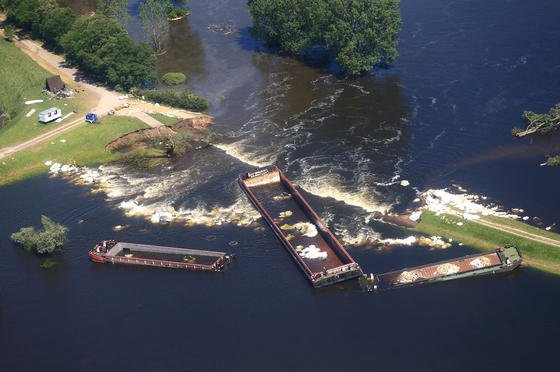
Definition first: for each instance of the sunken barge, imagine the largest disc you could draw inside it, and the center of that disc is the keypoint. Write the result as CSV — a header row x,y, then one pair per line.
x,y
110,251
503,259
312,245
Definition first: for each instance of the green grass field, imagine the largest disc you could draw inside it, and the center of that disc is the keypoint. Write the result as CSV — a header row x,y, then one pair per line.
x,y
21,79
84,145
538,255
165,119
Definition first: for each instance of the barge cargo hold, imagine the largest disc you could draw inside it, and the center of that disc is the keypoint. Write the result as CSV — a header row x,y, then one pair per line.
x,y
110,251
318,253
501,260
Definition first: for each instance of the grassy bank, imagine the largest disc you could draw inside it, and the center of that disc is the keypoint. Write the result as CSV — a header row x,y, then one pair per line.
x,y
538,255
84,145
21,79
167,120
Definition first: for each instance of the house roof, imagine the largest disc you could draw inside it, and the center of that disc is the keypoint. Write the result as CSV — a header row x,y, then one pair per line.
x,y
55,84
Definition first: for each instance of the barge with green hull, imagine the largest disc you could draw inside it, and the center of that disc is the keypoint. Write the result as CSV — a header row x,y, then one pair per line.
x,y
501,260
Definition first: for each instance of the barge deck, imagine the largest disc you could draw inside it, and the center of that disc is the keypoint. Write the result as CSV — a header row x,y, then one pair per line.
x,y
110,251
502,259
312,245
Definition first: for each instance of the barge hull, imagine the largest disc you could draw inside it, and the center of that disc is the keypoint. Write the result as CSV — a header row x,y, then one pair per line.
x,y
158,256
499,261
298,227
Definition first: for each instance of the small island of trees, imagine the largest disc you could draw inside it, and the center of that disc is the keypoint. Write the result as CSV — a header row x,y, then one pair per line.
x,y
357,34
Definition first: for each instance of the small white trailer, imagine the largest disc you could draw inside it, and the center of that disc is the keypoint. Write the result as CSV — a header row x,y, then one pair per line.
x,y
49,115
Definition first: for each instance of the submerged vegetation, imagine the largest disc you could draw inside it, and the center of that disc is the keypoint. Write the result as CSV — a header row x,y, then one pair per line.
x,y
180,99
541,124
357,34
173,78
47,240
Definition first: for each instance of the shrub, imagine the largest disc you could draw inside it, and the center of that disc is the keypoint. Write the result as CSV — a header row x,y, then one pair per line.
x,y
176,13
173,78
184,100
9,32
45,241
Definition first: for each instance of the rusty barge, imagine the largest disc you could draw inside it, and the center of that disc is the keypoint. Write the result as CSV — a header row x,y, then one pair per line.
x,y
110,251
503,259
312,245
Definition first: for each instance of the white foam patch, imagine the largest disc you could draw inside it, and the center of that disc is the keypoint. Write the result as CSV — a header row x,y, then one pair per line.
x,y
153,197
238,151
327,187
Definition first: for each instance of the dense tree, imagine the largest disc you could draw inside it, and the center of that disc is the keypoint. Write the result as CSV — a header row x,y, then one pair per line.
x,y
45,241
153,14
358,34
45,19
116,9
105,52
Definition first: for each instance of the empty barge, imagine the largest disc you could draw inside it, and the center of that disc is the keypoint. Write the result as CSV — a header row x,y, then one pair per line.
x,y
501,260
110,251
318,253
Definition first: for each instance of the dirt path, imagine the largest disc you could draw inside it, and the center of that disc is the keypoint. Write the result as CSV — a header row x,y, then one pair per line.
x,y
100,99
518,232
41,138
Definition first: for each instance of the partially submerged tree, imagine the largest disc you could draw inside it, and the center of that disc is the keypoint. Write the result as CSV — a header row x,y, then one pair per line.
x,y
357,34
539,123
116,9
45,241
153,14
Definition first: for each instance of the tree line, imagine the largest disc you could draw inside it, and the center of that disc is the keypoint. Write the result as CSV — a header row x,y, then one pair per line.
x,y
357,34
99,45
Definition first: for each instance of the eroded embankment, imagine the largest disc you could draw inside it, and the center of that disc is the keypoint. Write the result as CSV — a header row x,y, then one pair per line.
x,y
195,126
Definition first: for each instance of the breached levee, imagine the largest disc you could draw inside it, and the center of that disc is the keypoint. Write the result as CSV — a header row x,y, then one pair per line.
x,y
142,196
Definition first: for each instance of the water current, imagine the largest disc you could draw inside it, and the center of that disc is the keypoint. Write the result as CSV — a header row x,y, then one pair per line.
x,y
441,114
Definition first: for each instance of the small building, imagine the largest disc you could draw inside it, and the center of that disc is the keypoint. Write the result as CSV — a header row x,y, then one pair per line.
x,y
55,84
49,115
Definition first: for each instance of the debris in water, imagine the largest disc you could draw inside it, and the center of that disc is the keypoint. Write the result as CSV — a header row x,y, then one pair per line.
x,y
312,252
120,227
415,216
304,228
233,243
286,214
405,183
283,196
210,237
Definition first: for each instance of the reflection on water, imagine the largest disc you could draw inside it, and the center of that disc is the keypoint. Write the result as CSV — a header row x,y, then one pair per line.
x,y
185,51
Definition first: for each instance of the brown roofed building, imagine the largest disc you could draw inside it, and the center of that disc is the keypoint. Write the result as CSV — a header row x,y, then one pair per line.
x,y
55,84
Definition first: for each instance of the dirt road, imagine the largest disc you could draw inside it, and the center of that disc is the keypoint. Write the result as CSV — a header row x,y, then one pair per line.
x,y
518,232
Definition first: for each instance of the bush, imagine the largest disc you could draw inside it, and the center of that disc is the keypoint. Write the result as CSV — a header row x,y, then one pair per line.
x,y
176,13
46,241
173,78
358,34
9,32
184,100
